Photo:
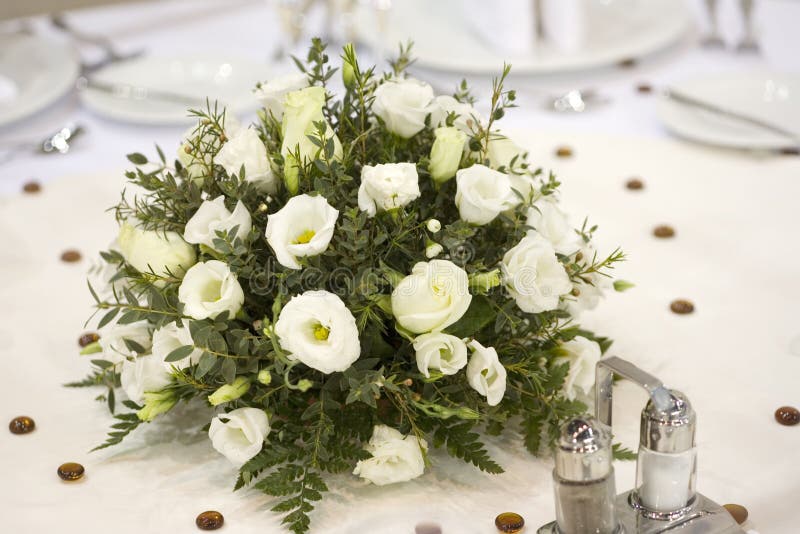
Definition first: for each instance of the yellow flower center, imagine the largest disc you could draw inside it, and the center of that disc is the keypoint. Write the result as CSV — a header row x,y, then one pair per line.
x,y
321,333
305,237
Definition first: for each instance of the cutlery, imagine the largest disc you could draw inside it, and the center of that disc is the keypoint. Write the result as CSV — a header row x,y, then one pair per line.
x,y
749,42
713,39
711,107
112,55
58,142
125,91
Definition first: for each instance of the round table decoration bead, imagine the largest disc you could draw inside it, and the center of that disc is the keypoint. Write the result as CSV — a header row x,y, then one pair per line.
x,y
350,282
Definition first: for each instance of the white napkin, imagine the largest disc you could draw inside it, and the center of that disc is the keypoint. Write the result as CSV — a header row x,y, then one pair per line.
x,y
507,27
565,23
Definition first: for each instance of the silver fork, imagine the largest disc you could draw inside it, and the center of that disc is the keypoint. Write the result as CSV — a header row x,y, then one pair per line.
x,y
58,142
713,39
112,55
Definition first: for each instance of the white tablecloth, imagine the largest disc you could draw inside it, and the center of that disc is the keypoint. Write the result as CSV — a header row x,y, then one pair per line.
x,y
735,256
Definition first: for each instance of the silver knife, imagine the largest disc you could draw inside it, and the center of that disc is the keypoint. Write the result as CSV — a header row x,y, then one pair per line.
x,y
683,98
125,91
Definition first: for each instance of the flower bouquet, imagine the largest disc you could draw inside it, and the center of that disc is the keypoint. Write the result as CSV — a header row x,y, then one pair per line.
x,y
351,282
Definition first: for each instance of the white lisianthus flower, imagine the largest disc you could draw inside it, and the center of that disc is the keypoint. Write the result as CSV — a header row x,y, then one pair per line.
x,y
552,224
483,193
170,337
113,336
318,329
486,374
272,94
434,296
144,374
582,356
303,109
590,291
210,288
242,436
395,458
303,227
403,104
387,186
446,152
443,352
502,151
196,155
246,149
533,276
467,116
211,217
165,253
433,225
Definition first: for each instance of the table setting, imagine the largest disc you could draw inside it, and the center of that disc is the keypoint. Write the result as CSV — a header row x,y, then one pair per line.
x,y
390,266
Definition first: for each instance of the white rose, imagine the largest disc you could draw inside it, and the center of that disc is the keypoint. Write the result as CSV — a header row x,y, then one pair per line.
x,y
483,193
502,151
246,149
387,186
242,436
551,223
144,374
582,356
303,227
395,458
196,155
271,94
210,288
211,217
486,374
403,104
113,336
443,352
533,275
303,109
434,296
467,117
446,152
165,253
170,337
433,250
318,329
433,225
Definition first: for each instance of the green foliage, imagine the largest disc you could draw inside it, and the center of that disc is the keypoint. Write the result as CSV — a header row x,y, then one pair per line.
x,y
321,422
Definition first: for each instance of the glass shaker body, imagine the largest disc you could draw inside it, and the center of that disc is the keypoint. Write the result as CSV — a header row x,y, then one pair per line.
x,y
585,507
665,482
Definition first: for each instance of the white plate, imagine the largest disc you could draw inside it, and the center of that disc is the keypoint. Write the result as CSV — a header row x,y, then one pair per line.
x,y
227,80
34,73
444,39
774,98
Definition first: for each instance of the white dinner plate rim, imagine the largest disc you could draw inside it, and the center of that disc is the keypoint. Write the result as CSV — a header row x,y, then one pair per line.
x,y
123,114
679,26
29,104
670,112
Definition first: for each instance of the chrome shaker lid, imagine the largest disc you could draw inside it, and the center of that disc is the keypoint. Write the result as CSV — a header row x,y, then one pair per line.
x,y
670,428
583,452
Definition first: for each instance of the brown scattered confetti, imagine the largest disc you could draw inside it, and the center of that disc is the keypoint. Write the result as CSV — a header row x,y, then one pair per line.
x,y
564,152
70,471
70,256
644,88
681,306
790,151
509,522
32,187
209,520
787,415
21,425
627,63
634,184
427,528
87,339
738,512
664,231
